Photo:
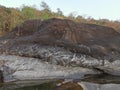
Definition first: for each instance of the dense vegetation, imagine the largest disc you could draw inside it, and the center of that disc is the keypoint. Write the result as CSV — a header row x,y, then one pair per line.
x,y
10,17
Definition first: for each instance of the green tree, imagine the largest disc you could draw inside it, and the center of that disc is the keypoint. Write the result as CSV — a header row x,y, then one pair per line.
x,y
28,12
5,19
45,12
45,6
59,12
72,15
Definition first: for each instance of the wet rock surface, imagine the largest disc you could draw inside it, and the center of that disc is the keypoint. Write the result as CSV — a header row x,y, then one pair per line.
x,y
65,43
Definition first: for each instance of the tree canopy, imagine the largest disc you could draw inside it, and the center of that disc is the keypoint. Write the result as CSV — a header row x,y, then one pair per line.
x,y
10,17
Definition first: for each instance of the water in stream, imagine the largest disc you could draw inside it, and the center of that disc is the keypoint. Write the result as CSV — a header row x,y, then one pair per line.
x,y
89,82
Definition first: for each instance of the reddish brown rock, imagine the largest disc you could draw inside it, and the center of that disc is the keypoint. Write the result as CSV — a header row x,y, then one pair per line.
x,y
69,86
90,39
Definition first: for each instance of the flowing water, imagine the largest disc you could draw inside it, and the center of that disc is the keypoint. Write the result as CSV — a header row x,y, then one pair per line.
x,y
89,82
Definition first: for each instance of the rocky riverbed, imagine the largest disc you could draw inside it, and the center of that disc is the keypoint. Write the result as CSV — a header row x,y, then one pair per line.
x,y
57,48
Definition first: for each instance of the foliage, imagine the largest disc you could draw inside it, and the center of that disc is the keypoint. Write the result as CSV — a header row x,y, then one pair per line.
x,y
10,17
45,6
28,12
59,12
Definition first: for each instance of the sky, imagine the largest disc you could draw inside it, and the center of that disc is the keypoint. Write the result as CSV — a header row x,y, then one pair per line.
x,y
97,9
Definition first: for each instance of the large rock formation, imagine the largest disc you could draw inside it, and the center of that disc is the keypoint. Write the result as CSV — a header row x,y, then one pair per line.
x,y
89,39
66,43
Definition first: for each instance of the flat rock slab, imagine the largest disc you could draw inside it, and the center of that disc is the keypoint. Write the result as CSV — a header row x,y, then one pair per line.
x,y
16,68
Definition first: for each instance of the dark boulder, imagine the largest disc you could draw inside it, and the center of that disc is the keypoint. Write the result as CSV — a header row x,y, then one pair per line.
x,y
69,86
96,41
1,77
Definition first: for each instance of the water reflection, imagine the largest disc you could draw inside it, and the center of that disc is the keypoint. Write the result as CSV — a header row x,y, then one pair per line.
x,y
89,82
102,79
45,86
100,82
94,86
93,82
30,85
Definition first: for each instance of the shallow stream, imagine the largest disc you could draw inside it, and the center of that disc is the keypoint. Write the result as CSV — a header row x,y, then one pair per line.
x,y
89,82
